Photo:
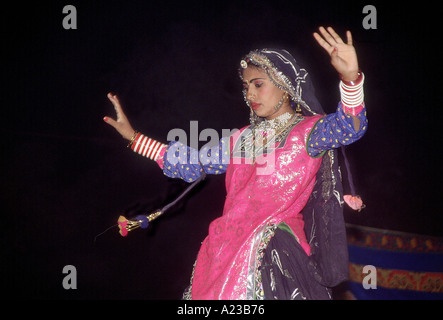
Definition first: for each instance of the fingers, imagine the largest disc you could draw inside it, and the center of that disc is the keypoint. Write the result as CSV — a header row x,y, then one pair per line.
x,y
110,121
112,97
117,106
331,35
329,39
118,109
343,55
121,117
349,37
325,45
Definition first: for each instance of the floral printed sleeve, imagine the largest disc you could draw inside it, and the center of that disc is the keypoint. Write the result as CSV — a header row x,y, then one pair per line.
x,y
335,130
181,161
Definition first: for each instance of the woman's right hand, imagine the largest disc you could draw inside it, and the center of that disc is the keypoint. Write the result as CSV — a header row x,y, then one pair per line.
x,y
122,124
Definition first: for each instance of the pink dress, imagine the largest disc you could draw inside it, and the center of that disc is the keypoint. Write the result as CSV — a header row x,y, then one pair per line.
x,y
225,264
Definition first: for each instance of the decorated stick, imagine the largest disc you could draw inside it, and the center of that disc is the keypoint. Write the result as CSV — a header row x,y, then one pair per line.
x,y
142,221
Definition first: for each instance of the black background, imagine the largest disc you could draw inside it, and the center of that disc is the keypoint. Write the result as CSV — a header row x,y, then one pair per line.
x,y
67,176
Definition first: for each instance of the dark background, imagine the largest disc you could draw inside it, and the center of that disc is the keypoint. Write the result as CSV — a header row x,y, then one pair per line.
x,y
67,176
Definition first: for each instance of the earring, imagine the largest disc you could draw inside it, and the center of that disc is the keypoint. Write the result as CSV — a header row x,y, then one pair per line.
x,y
298,110
280,103
253,118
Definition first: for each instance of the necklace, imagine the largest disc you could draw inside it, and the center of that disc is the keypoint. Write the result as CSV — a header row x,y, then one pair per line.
x,y
276,123
264,137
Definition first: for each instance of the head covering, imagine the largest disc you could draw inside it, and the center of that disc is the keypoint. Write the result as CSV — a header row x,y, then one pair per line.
x,y
287,75
323,214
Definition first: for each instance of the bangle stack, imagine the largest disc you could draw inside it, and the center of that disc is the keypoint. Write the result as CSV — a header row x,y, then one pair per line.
x,y
352,96
147,147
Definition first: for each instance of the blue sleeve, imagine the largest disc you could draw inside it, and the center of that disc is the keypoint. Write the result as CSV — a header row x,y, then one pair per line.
x,y
181,161
335,130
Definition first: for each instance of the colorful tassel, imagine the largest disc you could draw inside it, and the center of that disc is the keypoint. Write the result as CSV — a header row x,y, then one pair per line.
x,y
355,202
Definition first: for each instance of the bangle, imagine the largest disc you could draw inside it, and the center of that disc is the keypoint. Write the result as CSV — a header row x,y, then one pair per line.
x,y
132,139
353,82
147,147
352,95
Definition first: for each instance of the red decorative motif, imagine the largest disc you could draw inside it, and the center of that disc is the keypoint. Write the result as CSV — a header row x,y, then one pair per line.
x,y
393,240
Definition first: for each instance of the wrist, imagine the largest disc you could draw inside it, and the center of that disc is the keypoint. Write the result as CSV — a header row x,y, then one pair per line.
x,y
352,95
132,139
352,78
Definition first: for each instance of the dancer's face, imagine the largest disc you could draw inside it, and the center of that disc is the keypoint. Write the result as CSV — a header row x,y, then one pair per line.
x,y
263,95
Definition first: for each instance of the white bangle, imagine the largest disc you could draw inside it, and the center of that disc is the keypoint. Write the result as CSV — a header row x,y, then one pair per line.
x,y
148,147
352,96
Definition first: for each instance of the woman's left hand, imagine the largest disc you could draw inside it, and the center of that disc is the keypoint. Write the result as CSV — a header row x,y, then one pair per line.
x,y
343,55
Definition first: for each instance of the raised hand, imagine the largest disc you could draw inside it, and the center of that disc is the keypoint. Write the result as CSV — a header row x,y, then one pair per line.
x,y
343,55
121,124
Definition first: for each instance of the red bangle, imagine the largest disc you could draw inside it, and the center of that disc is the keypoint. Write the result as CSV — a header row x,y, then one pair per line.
x,y
147,147
136,141
352,82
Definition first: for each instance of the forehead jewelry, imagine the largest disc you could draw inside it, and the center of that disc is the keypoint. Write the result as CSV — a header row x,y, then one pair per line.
x,y
244,63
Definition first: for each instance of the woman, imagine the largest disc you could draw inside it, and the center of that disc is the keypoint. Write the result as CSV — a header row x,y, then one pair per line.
x,y
281,235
